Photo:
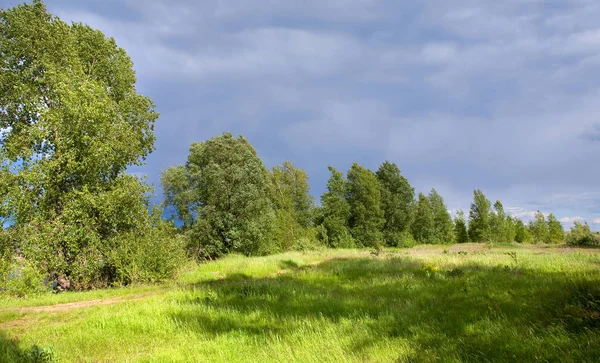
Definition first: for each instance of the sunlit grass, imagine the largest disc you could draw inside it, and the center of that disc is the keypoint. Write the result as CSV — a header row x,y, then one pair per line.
x,y
432,303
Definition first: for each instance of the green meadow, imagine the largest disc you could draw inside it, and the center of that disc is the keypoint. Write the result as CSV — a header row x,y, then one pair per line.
x,y
461,303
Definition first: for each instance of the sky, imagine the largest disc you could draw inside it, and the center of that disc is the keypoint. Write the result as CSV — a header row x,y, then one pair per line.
x,y
502,96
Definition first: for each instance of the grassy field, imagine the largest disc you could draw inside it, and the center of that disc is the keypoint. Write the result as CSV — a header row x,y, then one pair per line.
x,y
435,303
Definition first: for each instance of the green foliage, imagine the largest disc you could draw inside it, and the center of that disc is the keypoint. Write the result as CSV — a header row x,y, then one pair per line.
x,y
556,233
581,235
41,354
293,204
539,228
423,223
153,254
479,218
522,234
501,306
19,277
364,198
460,227
336,211
77,244
179,197
443,228
498,224
224,193
72,123
511,229
397,198
291,193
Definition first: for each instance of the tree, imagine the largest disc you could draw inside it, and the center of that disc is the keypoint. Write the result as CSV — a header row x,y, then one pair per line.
x,y
511,230
539,228
397,198
178,194
498,224
479,218
72,122
556,233
460,227
443,228
423,223
581,235
292,202
366,215
335,211
522,234
226,196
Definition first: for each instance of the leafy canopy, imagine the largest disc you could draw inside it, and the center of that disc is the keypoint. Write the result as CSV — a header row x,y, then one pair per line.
x,y
72,122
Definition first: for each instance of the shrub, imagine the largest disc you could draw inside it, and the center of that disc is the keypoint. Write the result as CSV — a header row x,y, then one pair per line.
x,y
581,235
400,239
151,256
19,277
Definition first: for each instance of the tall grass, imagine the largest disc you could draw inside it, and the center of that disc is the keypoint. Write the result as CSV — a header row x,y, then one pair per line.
x,y
464,303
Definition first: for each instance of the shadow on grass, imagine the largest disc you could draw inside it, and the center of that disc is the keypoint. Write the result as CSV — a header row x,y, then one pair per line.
x,y
467,312
11,353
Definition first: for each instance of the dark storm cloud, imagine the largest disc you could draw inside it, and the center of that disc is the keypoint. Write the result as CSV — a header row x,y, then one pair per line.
x,y
501,96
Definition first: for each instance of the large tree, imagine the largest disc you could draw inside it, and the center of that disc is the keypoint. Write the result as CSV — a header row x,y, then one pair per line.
x,y
364,197
479,218
226,196
335,211
423,224
72,121
443,228
397,197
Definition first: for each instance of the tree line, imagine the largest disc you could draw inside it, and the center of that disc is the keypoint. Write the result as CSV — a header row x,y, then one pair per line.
x,y
228,201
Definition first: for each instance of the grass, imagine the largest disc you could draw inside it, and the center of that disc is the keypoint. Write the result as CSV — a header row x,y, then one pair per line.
x,y
432,303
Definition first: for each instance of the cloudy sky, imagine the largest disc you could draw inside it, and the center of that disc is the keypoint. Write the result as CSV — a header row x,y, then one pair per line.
x,y
498,95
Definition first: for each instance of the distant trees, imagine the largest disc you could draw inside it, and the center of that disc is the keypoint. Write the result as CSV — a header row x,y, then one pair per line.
x,y
556,233
479,218
443,228
397,199
228,201
423,223
498,224
364,197
539,228
521,232
460,227
292,202
581,235
335,211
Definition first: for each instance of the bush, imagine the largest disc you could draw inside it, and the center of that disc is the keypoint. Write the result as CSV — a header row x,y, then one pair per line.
x,y
67,259
151,256
342,240
399,239
581,235
19,277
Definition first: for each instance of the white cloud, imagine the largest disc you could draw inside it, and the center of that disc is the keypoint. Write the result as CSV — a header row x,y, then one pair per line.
x,y
570,220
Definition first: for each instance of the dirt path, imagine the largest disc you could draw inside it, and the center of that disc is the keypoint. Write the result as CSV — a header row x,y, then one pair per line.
x,y
86,303
69,306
